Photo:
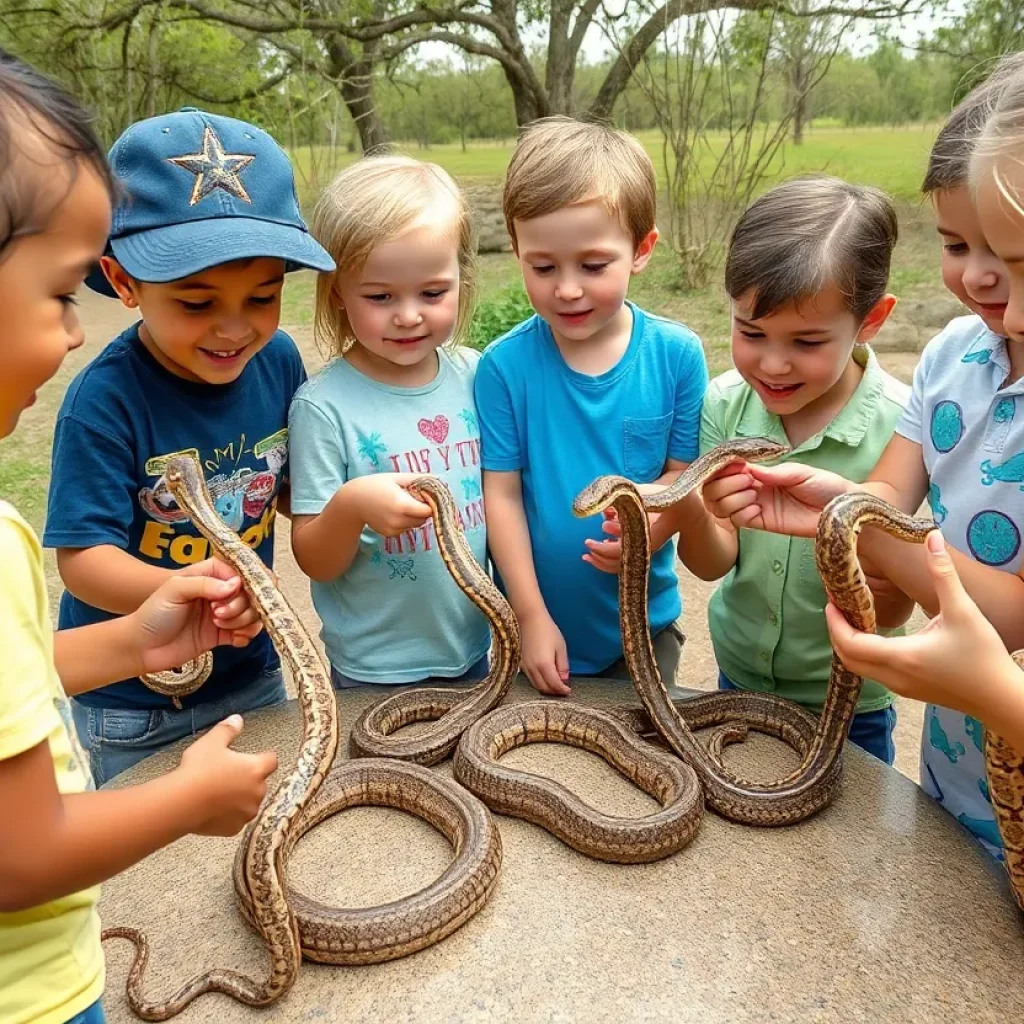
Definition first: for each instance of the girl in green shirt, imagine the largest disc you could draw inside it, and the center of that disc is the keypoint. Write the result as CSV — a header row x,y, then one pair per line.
x,y
807,272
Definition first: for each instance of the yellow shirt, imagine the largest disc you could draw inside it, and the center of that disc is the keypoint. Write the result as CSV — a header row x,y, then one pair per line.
x,y
51,962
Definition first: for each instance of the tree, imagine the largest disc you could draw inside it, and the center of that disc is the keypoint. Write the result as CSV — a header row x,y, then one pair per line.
x,y
352,39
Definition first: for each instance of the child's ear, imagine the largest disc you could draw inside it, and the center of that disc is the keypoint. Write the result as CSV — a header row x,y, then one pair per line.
x,y
120,281
877,316
644,251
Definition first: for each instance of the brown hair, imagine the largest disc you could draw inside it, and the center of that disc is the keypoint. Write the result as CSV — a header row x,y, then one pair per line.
x,y
949,162
808,233
376,200
560,162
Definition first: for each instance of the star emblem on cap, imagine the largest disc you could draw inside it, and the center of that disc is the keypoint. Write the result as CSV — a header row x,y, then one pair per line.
x,y
215,169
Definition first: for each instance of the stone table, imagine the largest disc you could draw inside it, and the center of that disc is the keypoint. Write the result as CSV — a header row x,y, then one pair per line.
x,y
880,908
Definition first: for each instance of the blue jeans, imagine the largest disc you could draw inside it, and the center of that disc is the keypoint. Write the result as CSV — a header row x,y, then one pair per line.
x,y
472,675
93,1015
117,738
870,730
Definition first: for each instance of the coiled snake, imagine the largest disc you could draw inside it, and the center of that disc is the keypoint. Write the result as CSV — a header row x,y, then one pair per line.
x,y
291,925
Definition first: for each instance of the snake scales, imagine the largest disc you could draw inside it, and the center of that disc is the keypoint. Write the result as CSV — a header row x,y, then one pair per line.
x,y
289,924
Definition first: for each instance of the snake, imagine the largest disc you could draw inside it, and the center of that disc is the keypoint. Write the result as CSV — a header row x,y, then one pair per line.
x,y
289,811
1004,771
451,712
180,682
812,786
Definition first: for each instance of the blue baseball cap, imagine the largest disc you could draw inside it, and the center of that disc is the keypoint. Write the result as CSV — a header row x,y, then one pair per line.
x,y
198,190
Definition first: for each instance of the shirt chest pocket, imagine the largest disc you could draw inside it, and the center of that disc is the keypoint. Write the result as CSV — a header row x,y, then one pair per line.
x,y
645,446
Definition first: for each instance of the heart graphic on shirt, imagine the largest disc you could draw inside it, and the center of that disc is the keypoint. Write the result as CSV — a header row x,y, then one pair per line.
x,y
435,430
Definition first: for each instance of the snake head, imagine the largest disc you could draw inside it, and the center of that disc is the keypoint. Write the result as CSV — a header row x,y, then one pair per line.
x,y
600,494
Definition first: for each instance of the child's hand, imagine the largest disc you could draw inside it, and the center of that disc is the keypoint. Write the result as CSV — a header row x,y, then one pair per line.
x,y
606,555
545,656
957,660
229,786
385,504
780,499
236,614
184,617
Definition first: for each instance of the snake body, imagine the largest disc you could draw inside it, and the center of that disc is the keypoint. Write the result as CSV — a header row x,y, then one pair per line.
x,y
451,711
281,820
1004,769
180,682
812,786
545,802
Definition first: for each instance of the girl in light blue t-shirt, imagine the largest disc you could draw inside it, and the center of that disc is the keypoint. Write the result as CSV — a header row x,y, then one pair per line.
x,y
395,403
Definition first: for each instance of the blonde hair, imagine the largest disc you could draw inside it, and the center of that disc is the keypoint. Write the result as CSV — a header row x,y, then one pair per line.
x,y
371,203
561,162
1003,132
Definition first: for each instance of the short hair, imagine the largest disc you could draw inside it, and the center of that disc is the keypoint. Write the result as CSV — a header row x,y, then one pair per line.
x,y
807,234
31,104
949,163
374,201
561,162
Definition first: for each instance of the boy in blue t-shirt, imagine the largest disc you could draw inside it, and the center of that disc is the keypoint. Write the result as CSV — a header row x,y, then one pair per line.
x,y
207,225
589,386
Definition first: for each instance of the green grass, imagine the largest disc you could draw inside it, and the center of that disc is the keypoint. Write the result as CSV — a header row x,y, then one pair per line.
x,y
889,158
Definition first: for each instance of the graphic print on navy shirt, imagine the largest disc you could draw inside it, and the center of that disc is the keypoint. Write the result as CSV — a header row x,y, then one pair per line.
x,y
122,418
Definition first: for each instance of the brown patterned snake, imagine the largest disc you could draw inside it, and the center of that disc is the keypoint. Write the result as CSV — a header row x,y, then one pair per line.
x,y
290,925
812,786
1004,768
451,711
550,805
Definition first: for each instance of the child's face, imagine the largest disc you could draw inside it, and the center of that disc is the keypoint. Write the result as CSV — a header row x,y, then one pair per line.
x,y
1002,219
576,263
208,326
797,355
970,270
39,275
404,302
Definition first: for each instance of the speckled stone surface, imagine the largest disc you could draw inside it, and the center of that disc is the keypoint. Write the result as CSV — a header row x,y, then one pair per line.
x,y
879,909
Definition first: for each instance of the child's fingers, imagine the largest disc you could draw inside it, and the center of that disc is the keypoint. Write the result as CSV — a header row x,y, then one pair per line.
x,y
863,653
236,608
722,487
948,588
748,518
733,503
612,527
249,622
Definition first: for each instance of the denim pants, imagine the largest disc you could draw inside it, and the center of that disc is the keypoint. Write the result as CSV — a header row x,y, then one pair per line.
x,y
117,738
472,675
870,730
91,1015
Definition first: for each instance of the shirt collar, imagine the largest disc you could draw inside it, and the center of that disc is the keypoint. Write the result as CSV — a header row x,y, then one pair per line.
x,y
848,427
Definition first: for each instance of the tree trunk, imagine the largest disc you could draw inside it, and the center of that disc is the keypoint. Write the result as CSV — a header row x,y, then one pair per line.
x,y
799,117
354,76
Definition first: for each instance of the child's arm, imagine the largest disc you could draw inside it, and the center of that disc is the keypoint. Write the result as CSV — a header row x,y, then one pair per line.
x,y
545,656
52,845
324,545
957,660
186,613
329,510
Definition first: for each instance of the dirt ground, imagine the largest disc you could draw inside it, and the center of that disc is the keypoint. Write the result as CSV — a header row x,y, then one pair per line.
x,y
103,319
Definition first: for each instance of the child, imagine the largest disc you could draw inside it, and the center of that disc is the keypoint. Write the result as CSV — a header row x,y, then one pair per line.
x,y
590,385
59,841
807,271
958,444
206,227
395,403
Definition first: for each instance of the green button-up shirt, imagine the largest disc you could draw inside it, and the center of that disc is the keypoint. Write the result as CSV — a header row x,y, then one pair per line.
x,y
767,618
